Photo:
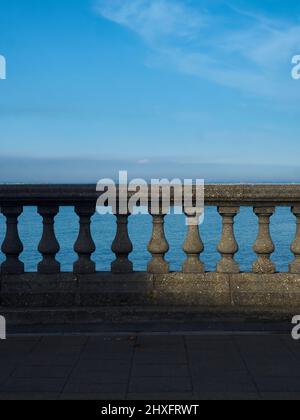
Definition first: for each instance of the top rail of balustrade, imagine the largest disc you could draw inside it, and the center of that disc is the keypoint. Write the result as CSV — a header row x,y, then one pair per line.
x,y
215,195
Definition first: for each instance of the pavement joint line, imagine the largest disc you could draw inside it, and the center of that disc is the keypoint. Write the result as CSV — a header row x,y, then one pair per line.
x,y
131,367
239,350
189,364
18,364
84,346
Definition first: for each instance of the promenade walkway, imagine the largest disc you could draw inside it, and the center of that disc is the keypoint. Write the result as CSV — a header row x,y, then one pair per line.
x,y
150,366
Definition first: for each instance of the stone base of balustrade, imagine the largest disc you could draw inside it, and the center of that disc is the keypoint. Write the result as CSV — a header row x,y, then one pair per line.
x,y
106,297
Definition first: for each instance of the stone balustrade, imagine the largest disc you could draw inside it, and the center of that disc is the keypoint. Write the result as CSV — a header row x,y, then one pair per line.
x,y
262,290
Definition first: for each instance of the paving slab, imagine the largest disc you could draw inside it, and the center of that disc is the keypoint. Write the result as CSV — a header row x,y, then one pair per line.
x,y
136,366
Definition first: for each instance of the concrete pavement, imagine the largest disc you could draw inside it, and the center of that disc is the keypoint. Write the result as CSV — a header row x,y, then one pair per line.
x,y
150,366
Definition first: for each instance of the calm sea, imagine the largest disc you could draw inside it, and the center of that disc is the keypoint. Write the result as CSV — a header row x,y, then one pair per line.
x,y
104,228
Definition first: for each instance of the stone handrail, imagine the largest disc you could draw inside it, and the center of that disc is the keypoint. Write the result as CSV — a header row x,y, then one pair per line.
x,y
215,195
262,286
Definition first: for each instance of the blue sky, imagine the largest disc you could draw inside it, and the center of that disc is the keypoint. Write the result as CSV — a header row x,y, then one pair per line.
x,y
160,87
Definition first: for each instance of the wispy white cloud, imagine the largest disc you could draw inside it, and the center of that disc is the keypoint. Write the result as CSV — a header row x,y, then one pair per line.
x,y
239,49
153,20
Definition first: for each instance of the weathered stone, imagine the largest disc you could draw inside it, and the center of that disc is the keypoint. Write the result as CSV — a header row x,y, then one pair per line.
x,y
84,245
37,290
49,245
108,289
180,289
277,291
264,245
193,245
158,247
12,246
228,246
295,248
122,247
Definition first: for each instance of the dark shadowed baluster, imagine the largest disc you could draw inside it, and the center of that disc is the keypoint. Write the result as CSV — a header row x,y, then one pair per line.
x,y
12,246
193,245
295,266
228,246
85,246
158,246
49,245
264,246
122,247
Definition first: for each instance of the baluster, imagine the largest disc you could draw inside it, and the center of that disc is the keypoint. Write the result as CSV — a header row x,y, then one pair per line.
x,y
122,246
295,248
264,246
228,246
12,246
84,246
49,245
193,245
158,246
